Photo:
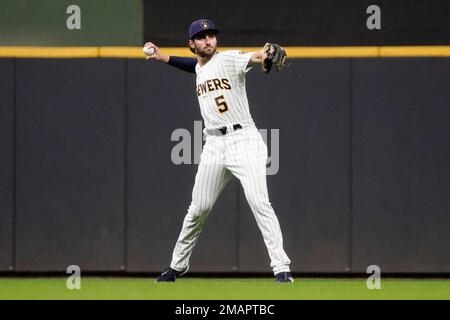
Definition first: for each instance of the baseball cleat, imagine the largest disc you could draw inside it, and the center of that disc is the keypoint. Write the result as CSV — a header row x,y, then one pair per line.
x,y
169,275
284,277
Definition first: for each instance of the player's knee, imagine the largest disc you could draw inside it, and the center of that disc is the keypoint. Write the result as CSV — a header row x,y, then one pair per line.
x,y
199,210
260,204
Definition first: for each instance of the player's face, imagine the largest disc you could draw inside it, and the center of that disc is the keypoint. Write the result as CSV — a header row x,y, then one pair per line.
x,y
204,44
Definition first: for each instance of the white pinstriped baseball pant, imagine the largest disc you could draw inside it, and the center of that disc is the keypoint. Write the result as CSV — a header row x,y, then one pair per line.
x,y
241,153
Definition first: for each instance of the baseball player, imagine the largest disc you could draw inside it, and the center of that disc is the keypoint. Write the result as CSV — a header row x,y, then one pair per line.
x,y
233,144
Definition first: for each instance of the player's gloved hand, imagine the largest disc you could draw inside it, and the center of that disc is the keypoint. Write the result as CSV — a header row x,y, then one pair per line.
x,y
274,54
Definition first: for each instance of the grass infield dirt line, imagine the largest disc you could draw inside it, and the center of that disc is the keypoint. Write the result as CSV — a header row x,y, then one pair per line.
x,y
222,289
293,52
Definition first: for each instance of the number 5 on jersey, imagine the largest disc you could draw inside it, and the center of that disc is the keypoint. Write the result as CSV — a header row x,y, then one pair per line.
x,y
220,101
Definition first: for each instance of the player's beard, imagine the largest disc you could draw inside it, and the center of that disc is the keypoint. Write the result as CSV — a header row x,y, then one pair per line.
x,y
207,52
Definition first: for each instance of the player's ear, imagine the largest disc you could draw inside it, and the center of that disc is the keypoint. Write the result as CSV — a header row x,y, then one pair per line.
x,y
191,45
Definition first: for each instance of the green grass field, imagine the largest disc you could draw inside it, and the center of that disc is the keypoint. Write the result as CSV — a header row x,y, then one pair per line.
x,y
222,289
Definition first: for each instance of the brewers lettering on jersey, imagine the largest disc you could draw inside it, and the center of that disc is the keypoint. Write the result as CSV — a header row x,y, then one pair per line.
x,y
233,147
221,89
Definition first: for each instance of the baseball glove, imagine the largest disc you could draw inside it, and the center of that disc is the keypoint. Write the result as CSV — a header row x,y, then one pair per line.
x,y
274,55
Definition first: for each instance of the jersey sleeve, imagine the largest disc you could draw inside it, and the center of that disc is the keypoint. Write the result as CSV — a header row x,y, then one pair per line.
x,y
240,60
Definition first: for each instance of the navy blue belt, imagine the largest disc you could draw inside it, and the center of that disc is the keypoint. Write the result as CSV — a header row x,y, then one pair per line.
x,y
223,130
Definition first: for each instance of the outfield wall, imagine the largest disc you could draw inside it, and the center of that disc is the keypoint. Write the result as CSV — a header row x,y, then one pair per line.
x,y
87,172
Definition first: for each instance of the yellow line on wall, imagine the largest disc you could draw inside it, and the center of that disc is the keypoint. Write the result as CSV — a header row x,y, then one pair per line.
x,y
293,52
415,51
49,52
332,52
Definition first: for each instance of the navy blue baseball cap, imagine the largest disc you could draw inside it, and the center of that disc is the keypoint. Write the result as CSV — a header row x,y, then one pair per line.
x,y
201,25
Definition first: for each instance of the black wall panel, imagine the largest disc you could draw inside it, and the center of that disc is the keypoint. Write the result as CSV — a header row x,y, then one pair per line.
x,y
70,164
6,163
161,100
362,178
308,103
401,218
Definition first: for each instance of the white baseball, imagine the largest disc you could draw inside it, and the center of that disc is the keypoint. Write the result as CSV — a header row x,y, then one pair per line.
x,y
149,50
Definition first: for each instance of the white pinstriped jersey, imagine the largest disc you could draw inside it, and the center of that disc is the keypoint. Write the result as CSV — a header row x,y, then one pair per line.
x,y
221,89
